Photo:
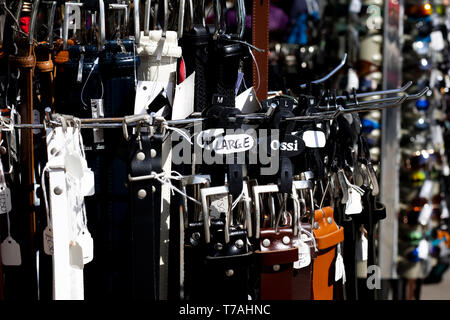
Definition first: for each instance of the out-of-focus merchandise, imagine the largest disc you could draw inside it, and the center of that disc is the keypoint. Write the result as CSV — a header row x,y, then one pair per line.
x,y
423,222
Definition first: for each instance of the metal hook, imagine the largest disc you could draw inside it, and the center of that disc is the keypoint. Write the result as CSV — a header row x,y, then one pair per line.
x,y
33,21
147,11
120,6
329,75
219,18
51,19
137,25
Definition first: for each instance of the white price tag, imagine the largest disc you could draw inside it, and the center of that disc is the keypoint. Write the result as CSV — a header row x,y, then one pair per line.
x,y
437,40
314,139
353,205
355,7
48,240
423,249
11,252
85,241
183,101
5,200
304,255
340,268
362,248
88,183
76,255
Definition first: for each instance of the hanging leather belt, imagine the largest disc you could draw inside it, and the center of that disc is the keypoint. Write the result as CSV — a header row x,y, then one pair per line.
x,y
328,234
194,262
228,264
145,158
195,53
276,256
26,62
260,39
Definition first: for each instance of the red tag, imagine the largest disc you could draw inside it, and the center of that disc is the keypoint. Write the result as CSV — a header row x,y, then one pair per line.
x,y
182,71
25,24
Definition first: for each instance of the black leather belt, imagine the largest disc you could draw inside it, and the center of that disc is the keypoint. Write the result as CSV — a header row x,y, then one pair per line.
x,y
145,202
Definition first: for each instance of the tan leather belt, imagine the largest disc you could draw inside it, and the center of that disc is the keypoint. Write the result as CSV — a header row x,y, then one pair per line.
x,y
260,39
277,256
327,234
45,67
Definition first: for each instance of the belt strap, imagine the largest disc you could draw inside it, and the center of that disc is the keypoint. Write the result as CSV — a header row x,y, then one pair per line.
x,y
26,62
328,234
194,262
145,205
260,39
276,261
228,264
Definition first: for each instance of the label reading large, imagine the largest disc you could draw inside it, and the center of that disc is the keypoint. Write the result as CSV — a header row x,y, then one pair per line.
x,y
213,139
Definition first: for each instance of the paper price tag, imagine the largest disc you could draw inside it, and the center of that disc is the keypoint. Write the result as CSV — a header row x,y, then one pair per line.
x,y
11,252
437,40
353,205
304,255
88,183
48,240
355,6
76,255
340,269
423,249
362,248
85,241
219,204
5,200
183,101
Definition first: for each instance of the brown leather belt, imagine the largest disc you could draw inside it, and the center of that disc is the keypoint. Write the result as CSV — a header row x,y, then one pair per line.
x,y
260,39
26,62
276,256
327,234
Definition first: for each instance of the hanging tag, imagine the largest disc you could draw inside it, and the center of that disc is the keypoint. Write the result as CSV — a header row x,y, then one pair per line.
x,y
314,139
147,91
219,204
247,102
80,69
340,267
304,254
355,7
353,79
437,40
76,255
97,111
88,183
11,252
423,249
48,240
183,101
425,214
353,205
5,200
362,248
85,241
